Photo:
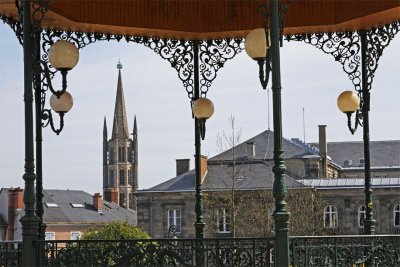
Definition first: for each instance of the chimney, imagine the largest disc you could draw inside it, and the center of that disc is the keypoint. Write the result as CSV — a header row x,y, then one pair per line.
x,y
14,203
97,202
182,166
203,170
323,151
251,150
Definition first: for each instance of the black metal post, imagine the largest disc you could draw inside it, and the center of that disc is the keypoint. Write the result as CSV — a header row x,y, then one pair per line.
x,y
369,222
281,215
39,139
29,221
199,224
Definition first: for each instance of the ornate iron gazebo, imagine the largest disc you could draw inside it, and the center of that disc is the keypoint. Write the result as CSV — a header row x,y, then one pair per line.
x,y
197,38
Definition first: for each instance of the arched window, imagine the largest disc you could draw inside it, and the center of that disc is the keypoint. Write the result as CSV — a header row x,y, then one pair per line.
x,y
396,215
330,217
361,216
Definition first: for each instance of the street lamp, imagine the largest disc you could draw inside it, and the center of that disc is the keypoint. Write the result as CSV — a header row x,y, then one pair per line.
x,y
262,45
63,56
257,46
348,102
203,109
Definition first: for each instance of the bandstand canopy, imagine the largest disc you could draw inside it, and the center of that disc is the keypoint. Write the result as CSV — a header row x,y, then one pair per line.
x,y
208,19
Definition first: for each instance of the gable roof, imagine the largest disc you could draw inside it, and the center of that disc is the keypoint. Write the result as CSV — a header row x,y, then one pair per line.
x,y
249,175
382,153
66,213
264,147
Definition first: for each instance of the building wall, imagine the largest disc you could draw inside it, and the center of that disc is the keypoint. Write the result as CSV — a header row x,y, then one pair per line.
x,y
63,232
347,201
153,212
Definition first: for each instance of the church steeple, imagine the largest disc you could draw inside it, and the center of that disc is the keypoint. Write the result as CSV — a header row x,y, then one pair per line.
x,y
120,125
120,165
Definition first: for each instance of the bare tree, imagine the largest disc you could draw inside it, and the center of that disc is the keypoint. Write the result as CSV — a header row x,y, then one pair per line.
x,y
239,211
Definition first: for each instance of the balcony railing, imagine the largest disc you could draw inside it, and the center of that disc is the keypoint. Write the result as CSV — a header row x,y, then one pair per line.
x,y
352,251
10,253
159,252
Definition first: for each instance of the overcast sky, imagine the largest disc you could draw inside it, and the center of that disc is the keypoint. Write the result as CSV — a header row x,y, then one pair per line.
x,y
73,160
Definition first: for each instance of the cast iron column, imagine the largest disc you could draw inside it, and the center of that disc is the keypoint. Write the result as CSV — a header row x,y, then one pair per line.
x,y
199,224
281,215
29,221
369,222
38,127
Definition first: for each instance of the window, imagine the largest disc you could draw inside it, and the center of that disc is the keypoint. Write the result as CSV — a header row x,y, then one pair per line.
x,y
77,205
75,235
111,178
122,199
50,236
51,205
108,157
129,177
121,177
361,216
396,215
121,154
330,217
224,221
174,218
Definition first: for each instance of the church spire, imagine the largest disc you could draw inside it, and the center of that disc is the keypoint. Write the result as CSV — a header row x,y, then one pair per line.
x,y
105,129
120,125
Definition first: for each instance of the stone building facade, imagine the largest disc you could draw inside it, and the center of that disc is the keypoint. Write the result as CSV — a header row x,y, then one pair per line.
x,y
333,169
120,155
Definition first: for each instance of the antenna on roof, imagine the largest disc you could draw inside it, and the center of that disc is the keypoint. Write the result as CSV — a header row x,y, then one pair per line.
x,y
304,128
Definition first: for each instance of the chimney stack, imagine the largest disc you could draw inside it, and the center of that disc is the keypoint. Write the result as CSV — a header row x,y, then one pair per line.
x,y
182,166
203,170
97,202
251,150
323,150
14,203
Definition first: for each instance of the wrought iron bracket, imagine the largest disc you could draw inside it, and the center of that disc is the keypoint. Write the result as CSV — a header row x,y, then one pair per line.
x,y
212,56
16,26
346,48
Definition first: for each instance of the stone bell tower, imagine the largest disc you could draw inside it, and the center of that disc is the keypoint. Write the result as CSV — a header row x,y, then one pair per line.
x,y
120,155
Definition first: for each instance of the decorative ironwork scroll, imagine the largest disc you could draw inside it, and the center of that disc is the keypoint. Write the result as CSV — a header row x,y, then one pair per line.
x,y
345,47
377,40
16,26
159,252
213,56
179,53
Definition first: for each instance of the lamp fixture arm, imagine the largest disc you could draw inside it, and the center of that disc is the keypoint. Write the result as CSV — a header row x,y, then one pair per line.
x,y
356,123
46,73
202,127
47,116
264,68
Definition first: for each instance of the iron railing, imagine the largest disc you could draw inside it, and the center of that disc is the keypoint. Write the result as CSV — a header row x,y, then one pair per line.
x,y
159,252
316,251
10,253
352,251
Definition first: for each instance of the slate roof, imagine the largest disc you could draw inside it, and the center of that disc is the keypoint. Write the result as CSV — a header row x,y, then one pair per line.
x,y
66,213
350,182
383,153
250,176
264,147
